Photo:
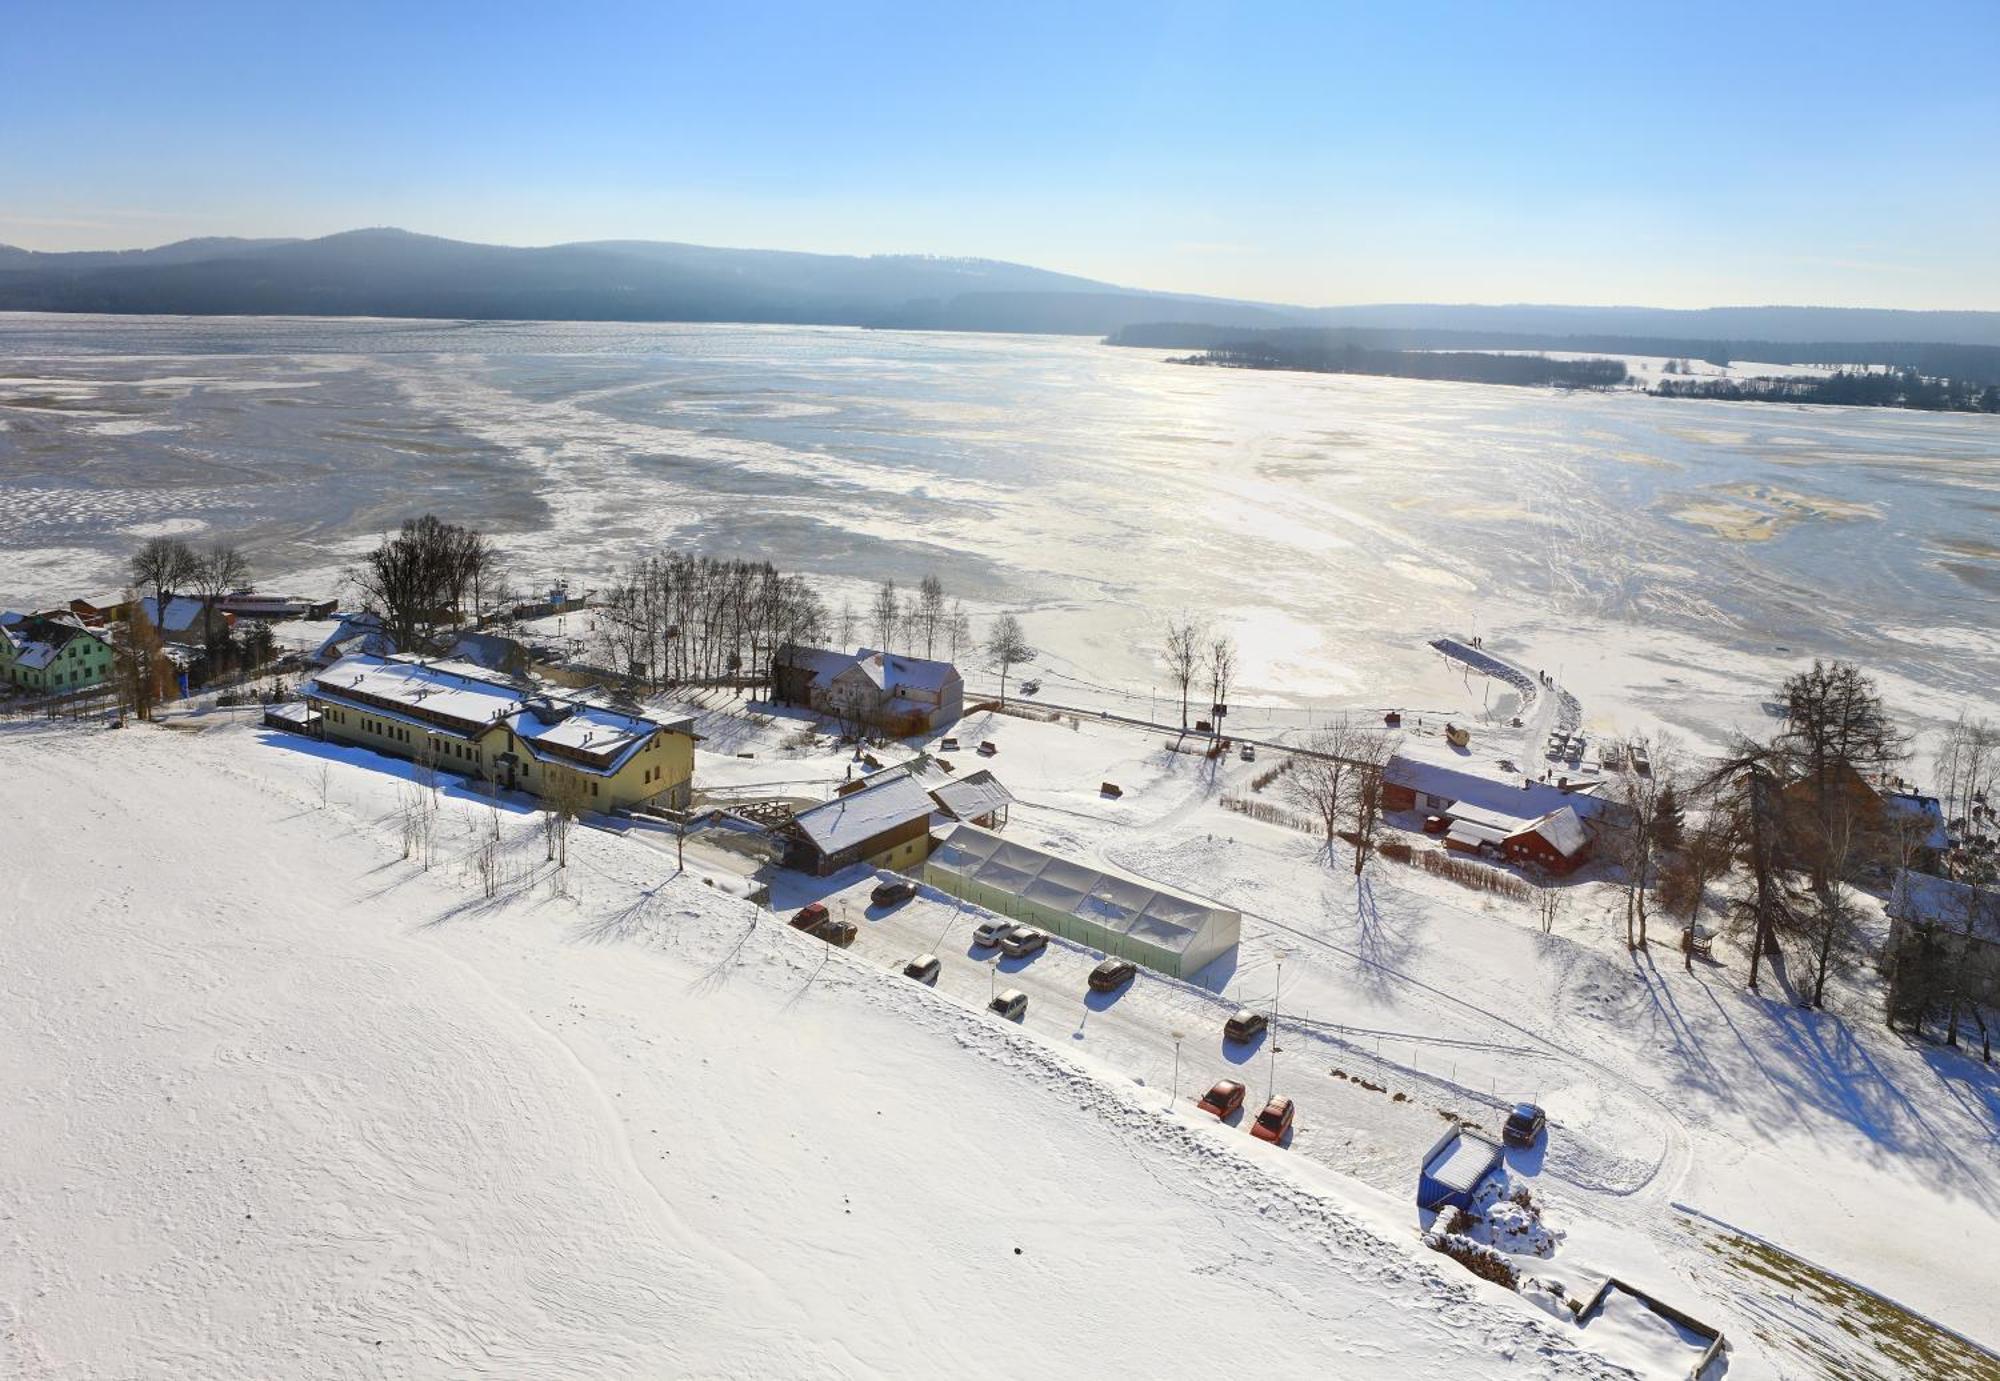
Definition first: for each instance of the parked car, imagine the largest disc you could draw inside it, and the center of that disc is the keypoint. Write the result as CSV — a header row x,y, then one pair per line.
x,y
809,916
1031,688
1249,752
840,933
1436,824
1112,975
1524,1125
990,932
1011,1003
892,892
924,968
1222,1100
1024,939
1272,1123
1245,1025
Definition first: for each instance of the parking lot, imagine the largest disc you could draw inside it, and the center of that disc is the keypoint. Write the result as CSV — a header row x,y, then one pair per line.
x,y
1341,1121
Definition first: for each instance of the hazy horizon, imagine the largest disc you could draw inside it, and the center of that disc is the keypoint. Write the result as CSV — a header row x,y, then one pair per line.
x,y
1303,154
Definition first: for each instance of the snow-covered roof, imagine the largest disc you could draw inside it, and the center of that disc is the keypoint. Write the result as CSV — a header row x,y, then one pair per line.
x,y
461,697
1473,835
925,771
1151,915
1563,830
896,674
37,640
973,795
822,663
859,816
183,613
1924,813
1460,1162
1926,897
1475,781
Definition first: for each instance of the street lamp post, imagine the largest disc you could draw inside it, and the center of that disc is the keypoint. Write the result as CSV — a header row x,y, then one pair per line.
x,y
1277,987
1175,1096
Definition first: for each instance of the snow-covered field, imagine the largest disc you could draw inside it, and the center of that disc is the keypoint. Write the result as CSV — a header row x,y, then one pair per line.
x,y
282,1103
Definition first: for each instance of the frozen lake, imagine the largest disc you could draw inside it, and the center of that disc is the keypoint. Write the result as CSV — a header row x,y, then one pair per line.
x,y
1653,550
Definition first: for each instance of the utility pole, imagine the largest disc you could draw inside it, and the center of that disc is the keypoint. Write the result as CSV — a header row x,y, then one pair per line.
x,y
1276,989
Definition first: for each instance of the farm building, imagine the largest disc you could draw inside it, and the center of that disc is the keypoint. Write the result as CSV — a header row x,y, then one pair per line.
x,y
898,695
1558,842
887,825
1449,781
1172,934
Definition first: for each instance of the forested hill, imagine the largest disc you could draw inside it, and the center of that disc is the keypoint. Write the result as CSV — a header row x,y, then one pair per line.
x,y
1459,366
395,273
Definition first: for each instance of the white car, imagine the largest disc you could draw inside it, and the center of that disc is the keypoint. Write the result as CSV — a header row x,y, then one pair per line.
x,y
1024,939
1010,1003
991,932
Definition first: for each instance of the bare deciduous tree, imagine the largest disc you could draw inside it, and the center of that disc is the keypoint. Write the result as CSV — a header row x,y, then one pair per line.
x,y
1181,646
931,613
885,614
166,565
1221,668
1371,750
1319,779
1007,647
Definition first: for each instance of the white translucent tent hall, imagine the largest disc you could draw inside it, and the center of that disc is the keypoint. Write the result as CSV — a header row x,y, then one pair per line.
x,y
1165,931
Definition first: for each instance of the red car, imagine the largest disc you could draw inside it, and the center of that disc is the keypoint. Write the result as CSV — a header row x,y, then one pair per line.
x,y
1222,1100
811,916
1272,1123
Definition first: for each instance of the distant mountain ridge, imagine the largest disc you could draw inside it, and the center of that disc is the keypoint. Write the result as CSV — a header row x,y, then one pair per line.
x,y
387,272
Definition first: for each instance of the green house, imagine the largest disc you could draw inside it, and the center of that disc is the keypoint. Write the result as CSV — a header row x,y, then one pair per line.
x,y
51,655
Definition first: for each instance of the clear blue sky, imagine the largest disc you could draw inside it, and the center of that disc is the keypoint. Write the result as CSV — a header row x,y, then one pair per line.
x,y
1675,154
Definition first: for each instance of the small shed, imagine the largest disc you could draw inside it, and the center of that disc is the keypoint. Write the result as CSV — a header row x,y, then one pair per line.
x,y
977,798
1455,1167
294,717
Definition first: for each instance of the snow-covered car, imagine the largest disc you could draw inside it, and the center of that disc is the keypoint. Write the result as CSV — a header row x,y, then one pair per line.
x,y
1524,1125
1272,1123
990,932
1024,939
924,968
1031,688
1112,975
1249,752
1010,1003
1223,1099
1245,1025
891,892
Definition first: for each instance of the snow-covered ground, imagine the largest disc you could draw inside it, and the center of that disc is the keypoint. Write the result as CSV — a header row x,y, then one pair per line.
x,y
282,1103
1407,999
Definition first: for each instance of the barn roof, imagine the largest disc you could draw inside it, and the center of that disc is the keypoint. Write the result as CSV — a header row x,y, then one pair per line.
x,y
1563,831
1474,781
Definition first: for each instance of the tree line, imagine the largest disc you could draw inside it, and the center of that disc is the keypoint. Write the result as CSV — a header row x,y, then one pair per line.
x,y
1536,371
1849,388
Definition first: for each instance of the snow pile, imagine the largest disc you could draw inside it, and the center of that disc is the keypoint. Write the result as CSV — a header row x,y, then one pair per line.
x,y
1512,1221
